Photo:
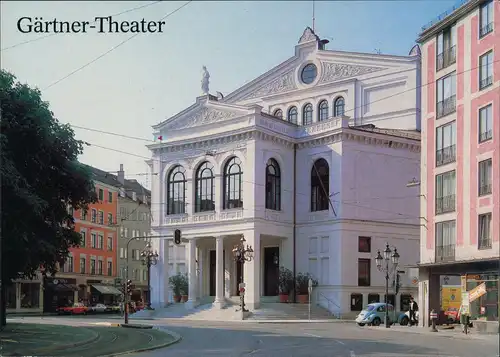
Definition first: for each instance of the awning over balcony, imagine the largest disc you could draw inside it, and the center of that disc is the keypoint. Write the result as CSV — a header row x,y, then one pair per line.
x,y
107,289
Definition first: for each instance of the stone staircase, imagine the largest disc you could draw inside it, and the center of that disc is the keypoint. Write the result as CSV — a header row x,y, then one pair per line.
x,y
277,311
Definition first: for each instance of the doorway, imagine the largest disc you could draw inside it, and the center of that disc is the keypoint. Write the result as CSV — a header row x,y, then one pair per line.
x,y
213,270
271,271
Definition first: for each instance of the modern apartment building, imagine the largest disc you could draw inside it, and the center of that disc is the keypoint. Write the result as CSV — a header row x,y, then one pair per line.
x,y
134,220
460,172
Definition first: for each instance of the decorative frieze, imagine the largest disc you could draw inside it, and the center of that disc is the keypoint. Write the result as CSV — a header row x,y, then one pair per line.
x,y
284,83
272,216
228,215
336,71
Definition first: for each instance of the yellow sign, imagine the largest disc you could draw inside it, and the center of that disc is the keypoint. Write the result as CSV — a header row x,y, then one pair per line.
x,y
451,297
463,282
477,292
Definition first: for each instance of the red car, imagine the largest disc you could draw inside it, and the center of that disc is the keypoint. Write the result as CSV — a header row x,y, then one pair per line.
x,y
76,309
452,315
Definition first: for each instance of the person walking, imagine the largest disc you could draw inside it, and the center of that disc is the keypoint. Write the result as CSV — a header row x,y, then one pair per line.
x,y
413,312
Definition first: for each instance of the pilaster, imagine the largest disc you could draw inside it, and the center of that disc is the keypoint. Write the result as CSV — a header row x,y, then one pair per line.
x,y
251,275
219,273
192,276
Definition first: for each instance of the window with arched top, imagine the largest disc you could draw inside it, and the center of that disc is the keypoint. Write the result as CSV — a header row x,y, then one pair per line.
x,y
320,185
323,110
273,185
307,114
176,191
205,188
233,184
292,115
339,107
278,113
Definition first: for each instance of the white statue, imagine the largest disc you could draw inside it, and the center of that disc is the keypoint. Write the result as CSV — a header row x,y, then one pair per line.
x,y
205,80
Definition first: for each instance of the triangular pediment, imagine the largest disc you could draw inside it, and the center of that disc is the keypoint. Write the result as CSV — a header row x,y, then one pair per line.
x,y
203,112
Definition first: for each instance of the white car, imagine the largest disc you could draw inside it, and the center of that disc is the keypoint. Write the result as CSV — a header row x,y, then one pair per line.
x,y
406,318
99,308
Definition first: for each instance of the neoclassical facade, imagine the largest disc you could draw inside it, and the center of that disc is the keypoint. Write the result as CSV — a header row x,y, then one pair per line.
x,y
308,163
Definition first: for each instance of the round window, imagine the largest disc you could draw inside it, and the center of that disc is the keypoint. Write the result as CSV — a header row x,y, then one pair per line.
x,y
309,73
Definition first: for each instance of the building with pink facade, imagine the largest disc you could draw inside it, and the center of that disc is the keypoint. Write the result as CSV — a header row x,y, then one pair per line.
x,y
460,172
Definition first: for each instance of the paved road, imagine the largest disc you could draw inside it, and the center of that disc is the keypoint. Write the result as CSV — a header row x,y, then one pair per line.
x,y
309,339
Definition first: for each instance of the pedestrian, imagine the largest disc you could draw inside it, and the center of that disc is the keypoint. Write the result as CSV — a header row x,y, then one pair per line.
x,y
413,311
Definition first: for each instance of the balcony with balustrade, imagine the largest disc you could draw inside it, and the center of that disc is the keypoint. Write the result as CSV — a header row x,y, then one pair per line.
x,y
445,204
446,106
445,253
485,135
446,155
446,58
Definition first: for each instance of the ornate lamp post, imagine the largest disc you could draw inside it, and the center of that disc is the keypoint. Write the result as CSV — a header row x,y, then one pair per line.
x,y
241,255
149,258
388,269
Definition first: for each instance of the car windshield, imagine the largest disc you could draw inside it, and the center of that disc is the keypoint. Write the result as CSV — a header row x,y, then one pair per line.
x,y
369,308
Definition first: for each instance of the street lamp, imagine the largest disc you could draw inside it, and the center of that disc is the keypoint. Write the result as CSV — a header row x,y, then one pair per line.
x,y
388,270
241,255
149,258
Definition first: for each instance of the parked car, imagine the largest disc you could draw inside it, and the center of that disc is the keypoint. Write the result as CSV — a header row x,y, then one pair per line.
x,y
404,318
98,308
452,315
75,309
374,314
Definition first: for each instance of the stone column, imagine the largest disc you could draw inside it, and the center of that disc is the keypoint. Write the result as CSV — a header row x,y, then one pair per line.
x,y
251,275
219,272
166,273
192,276
199,266
18,295
227,272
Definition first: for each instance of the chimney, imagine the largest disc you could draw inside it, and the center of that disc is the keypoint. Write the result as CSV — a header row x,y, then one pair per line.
x,y
121,175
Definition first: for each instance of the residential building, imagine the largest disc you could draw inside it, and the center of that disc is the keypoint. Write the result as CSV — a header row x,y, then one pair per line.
x,y
308,163
460,173
134,220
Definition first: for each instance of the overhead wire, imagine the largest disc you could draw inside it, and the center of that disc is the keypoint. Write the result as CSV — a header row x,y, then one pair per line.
x,y
112,49
93,22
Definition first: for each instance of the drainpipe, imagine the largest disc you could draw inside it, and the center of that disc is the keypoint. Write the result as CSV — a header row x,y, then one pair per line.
x,y
294,218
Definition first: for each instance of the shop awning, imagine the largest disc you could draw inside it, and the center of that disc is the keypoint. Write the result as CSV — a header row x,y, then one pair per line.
x,y
107,289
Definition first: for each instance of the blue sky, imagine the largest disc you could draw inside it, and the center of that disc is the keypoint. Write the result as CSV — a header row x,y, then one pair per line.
x,y
154,76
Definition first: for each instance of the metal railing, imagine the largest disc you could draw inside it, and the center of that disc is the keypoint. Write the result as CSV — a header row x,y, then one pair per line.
x,y
484,243
445,204
444,15
484,189
446,106
486,29
446,58
485,82
329,303
445,253
485,135
446,155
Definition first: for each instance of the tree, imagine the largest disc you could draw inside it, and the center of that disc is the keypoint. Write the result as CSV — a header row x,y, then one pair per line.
x,y
40,178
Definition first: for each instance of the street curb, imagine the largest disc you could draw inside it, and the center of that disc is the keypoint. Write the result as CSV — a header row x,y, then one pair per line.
x,y
176,337
300,321
143,327
456,336
72,345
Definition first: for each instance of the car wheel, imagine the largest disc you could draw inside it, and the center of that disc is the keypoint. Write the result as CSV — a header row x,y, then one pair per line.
x,y
360,324
376,322
404,321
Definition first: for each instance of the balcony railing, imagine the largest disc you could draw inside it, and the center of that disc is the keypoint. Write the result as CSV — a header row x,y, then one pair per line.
x,y
483,31
445,253
445,204
484,243
446,58
485,135
446,155
484,189
485,82
446,106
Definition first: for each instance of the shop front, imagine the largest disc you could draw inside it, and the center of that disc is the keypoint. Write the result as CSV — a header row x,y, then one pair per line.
x,y
24,296
59,292
105,294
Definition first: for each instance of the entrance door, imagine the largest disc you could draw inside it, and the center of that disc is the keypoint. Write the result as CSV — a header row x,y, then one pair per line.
x,y
239,277
213,269
271,271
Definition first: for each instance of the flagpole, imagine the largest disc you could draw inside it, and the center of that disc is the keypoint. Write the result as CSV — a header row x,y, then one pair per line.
x,y
313,16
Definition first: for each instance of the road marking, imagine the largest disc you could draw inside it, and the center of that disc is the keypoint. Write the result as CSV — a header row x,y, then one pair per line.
x,y
352,354
340,342
310,334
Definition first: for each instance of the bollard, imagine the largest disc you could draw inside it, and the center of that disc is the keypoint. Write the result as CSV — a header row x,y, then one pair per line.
x,y
433,316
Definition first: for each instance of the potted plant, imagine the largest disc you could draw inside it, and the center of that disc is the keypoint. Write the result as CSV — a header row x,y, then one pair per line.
x,y
302,286
175,282
285,283
184,288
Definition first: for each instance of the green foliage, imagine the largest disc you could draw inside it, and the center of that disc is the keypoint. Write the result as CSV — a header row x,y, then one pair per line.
x,y
179,284
285,280
41,177
302,283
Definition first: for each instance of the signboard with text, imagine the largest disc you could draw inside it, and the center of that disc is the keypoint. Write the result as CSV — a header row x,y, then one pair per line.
x,y
477,292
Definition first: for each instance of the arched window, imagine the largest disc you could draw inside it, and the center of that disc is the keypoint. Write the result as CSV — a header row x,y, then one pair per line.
x,y
176,191
292,115
205,190
233,184
307,114
273,185
278,113
338,107
320,185
323,110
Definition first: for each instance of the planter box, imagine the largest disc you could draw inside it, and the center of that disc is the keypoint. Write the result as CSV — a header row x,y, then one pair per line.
x,y
283,298
303,299
184,298
177,298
